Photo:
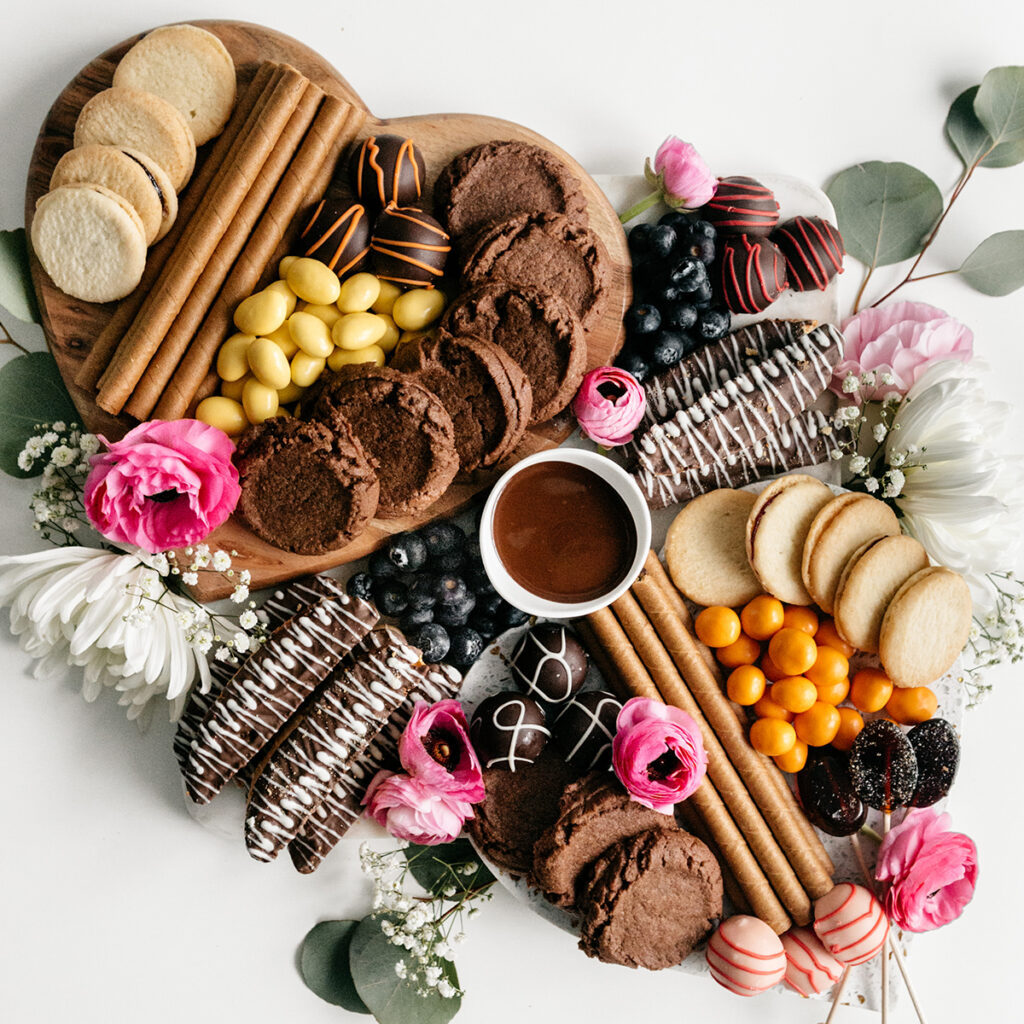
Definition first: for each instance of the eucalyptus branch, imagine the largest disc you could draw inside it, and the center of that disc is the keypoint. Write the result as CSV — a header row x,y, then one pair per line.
x,y
8,340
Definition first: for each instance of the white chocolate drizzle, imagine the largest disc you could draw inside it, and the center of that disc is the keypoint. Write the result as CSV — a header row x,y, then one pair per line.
x,y
594,725
559,657
519,726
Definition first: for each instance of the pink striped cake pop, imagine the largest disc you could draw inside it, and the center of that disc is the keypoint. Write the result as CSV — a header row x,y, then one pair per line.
x,y
746,956
810,967
851,923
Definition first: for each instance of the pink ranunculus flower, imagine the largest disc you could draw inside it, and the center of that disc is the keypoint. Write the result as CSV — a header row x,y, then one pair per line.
x,y
435,749
658,753
929,872
165,484
900,339
686,182
411,809
609,405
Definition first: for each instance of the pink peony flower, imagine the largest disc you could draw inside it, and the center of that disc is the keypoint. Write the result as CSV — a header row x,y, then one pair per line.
x,y
163,485
680,173
413,810
609,405
899,339
929,872
657,753
435,749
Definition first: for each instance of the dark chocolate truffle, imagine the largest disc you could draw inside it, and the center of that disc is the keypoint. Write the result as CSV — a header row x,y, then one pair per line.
x,y
584,728
337,234
752,274
389,169
508,731
549,663
742,206
409,247
813,249
883,766
938,756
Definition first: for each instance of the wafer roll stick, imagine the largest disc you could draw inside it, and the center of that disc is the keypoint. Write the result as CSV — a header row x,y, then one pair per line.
x,y
728,783
106,343
636,681
691,820
198,243
335,126
704,687
186,323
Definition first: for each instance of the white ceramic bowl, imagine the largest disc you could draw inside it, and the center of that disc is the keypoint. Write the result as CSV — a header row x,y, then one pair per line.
x,y
623,485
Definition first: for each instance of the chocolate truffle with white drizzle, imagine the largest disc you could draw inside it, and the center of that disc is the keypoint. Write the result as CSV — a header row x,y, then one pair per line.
x,y
508,731
549,663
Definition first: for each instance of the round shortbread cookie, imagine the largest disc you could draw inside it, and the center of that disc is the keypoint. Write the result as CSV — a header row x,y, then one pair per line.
x,y
90,241
925,627
189,67
775,532
140,120
874,573
705,552
842,526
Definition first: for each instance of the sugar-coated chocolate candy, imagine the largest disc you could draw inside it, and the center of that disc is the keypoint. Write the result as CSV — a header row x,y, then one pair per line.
x,y
337,234
409,247
549,663
742,206
746,956
813,249
827,795
883,765
751,273
584,727
851,923
938,756
508,731
389,169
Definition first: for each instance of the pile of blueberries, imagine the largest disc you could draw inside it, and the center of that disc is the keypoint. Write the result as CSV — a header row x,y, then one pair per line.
x,y
432,580
673,311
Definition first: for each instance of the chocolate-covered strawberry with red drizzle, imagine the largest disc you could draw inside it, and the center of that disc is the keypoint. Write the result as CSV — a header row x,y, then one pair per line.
x,y
751,273
742,206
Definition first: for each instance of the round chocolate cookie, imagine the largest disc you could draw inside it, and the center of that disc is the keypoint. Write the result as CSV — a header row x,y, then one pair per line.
x,y
404,429
537,329
584,727
305,487
497,180
485,392
549,663
508,731
546,251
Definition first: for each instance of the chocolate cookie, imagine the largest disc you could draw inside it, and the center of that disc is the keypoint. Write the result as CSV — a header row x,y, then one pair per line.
x,y
652,898
404,429
546,251
537,329
496,180
305,487
518,807
485,392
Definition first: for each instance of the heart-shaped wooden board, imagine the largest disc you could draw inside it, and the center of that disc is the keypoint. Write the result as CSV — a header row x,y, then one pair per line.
x,y
71,326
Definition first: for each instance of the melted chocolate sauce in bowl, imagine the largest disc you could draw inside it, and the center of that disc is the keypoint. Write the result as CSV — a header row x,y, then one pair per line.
x,y
564,533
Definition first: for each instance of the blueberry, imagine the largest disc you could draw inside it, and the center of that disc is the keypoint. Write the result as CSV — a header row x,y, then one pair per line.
x,y
391,597
450,590
688,273
381,567
450,562
668,294
407,551
466,645
634,363
702,230
680,316
669,348
486,626
414,618
662,241
691,343
455,613
472,549
508,616
642,319
702,294
478,581
713,323
432,640
676,219
442,537
704,250
640,238
360,585
488,604
421,591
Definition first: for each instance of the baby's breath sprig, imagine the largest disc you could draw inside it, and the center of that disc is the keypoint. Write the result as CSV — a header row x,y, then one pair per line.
x,y
996,637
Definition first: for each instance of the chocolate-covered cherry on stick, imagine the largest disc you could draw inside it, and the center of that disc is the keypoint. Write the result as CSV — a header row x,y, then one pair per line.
x,y
828,796
883,766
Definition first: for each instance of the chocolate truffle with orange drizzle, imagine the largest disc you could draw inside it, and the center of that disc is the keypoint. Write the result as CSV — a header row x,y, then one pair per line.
x,y
338,235
409,247
389,169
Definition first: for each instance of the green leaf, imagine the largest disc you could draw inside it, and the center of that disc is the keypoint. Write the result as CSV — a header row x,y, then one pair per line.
x,y
885,210
996,267
971,140
999,104
324,964
391,999
432,866
31,392
16,293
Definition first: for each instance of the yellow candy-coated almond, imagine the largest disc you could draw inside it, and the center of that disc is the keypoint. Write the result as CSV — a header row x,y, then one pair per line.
x,y
231,361
311,334
306,368
289,296
223,413
313,281
413,310
282,267
259,401
233,388
346,357
389,340
358,293
357,330
283,413
261,314
290,394
386,299
268,363
329,314
282,338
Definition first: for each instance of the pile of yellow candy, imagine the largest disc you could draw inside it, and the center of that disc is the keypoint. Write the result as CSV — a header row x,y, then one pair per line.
x,y
309,321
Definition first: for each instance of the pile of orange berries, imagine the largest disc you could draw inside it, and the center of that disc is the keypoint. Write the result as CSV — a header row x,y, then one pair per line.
x,y
798,682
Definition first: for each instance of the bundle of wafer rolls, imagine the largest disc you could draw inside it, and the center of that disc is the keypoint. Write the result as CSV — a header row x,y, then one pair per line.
x,y
772,859
278,150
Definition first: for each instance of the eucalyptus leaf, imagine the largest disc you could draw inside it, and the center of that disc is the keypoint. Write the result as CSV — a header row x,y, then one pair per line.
x,y
971,140
324,964
31,393
16,293
885,210
432,866
391,999
996,267
999,104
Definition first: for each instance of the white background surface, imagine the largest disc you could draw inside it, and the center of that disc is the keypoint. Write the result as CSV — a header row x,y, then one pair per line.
x,y
114,905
